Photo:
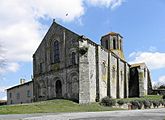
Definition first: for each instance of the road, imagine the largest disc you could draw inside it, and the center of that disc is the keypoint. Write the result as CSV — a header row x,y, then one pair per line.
x,y
149,114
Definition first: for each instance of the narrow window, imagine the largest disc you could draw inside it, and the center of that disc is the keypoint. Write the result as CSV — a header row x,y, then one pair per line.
x,y
41,67
114,43
104,67
56,52
73,58
18,96
10,95
106,44
28,93
144,72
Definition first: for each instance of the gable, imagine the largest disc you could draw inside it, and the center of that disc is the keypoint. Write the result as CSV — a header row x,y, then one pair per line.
x,y
55,31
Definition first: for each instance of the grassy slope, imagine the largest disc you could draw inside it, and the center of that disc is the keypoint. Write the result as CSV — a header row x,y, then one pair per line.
x,y
52,106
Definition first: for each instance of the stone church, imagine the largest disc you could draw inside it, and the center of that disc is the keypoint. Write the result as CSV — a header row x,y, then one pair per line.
x,y
71,66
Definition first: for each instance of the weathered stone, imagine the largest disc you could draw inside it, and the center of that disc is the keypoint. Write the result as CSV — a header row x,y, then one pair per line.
x,y
80,69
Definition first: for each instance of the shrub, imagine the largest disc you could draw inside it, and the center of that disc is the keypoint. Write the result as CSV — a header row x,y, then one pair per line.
x,y
107,101
140,104
120,102
135,104
163,97
153,93
147,104
156,103
161,102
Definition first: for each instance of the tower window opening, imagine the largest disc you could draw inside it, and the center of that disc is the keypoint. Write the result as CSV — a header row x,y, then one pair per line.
x,y
106,44
114,43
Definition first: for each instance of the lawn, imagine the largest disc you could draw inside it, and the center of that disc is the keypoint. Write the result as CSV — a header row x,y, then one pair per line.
x,y
53,106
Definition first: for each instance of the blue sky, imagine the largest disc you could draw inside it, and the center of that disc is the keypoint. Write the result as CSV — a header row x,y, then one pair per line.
x,y
22,27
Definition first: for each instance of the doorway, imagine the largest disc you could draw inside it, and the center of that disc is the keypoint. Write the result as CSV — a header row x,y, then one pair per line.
x,y
58,89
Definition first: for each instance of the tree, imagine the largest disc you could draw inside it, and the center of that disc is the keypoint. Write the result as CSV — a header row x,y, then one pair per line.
x,y
159,85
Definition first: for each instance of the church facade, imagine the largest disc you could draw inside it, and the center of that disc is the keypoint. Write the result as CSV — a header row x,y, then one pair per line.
x,y
71,66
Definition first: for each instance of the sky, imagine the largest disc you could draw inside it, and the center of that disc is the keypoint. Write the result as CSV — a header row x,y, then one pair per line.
x,y
23,24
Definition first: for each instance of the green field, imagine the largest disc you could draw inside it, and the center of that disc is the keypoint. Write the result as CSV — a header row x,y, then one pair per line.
x,y
52,106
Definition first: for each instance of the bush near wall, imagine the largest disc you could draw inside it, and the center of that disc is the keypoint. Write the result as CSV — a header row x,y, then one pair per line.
x,y
163,97
107,101
121,102
147,104
136,103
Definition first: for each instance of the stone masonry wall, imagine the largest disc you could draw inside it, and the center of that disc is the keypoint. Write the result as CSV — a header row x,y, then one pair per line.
x,y
84,83
103,71
127,75
47,73
92,71
121,79
113,78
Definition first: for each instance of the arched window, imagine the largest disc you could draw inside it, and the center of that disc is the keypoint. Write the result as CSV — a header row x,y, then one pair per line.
x,y
73,58
56,52
104,67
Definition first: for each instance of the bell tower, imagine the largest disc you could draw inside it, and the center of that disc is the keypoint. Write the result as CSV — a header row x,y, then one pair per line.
x,y
113,41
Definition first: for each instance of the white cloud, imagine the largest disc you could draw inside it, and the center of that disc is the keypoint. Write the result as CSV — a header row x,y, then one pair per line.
x,y
59,9
3,92
154,60
132,54
108,3
161,79
21,29
12,67
152,49
9,67
2,89
4,98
